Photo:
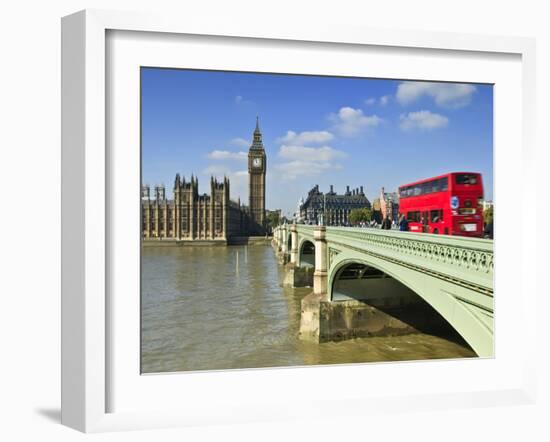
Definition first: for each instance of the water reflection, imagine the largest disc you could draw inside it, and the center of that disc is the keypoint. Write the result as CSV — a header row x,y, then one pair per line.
x,y
199,312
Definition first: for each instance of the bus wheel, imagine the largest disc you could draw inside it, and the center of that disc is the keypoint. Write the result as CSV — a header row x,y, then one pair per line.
x,y
436,232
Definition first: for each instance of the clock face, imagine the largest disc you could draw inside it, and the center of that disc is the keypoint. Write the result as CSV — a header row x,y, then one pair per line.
x,y
257,162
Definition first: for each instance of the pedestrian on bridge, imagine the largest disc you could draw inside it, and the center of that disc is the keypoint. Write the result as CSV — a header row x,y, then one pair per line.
x,y
403,223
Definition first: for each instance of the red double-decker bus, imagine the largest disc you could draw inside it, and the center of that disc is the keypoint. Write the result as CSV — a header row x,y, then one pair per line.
x,y
448,204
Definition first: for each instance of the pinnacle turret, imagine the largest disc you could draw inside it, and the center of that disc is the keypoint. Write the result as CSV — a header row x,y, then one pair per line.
x,y
257,143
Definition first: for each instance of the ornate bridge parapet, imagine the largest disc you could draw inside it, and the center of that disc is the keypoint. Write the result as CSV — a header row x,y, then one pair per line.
x,y
453,274
281,236
463,261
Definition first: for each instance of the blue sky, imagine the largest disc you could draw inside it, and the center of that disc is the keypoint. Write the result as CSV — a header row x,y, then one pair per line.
x,y
316,130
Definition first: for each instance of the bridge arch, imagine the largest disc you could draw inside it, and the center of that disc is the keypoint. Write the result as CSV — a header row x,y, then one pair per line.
x,y
306,252
289,242
441,295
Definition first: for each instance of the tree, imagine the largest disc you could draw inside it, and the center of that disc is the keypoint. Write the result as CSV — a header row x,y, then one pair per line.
x,y
272,219
363,215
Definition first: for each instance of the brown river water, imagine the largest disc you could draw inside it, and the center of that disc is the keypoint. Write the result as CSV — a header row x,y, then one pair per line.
x,y
200,310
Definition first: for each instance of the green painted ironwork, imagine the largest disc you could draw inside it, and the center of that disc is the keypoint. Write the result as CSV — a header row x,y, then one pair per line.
x,y
453,274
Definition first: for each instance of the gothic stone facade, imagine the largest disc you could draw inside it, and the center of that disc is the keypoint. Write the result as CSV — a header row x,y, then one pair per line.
x,y
191,216
386,205
389,205
336,208
256,189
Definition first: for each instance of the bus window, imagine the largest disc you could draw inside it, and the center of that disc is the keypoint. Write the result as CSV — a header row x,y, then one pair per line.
x,y
413,217
426,188
465,178
436,216
434,185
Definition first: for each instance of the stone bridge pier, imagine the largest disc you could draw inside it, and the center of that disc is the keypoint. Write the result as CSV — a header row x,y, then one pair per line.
x,y
297,274
312,322
367,282
283,251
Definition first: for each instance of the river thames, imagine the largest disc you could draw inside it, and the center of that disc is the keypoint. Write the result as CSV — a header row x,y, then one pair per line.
x,y
210,308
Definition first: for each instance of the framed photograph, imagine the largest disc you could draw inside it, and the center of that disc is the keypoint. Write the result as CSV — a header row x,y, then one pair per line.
x,y
252,215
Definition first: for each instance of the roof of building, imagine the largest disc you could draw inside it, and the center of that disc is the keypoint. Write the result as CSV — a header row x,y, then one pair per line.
x,y
257,143
391,196
331,199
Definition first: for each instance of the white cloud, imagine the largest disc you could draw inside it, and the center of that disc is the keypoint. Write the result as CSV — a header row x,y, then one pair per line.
x,y
240,142
314,154
224,165
423,119
307,161
449,95
238,185
385,99
298,169
217,170
227,155
350,122
307,137
238,180
240,100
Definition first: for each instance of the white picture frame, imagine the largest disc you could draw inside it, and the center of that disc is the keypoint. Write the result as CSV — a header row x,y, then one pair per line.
x,y
86,315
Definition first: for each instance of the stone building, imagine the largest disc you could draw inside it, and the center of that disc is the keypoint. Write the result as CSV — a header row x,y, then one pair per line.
x,y
256,183
333,207
298,214
389,205
190,215
376,212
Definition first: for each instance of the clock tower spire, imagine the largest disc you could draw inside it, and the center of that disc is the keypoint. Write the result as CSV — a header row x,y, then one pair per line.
x,y
256,180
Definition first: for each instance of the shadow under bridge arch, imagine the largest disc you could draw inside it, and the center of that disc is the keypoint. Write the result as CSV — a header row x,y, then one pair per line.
x,y
289,243
401,304
306,253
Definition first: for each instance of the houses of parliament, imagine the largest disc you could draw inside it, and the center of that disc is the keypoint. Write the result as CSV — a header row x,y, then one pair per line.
x,y
190,216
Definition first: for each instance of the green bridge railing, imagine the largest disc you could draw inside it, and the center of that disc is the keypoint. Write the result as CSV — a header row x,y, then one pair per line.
x,y
462,260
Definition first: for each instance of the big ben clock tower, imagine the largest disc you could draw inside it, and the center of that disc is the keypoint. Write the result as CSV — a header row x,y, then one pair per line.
x,y
256,180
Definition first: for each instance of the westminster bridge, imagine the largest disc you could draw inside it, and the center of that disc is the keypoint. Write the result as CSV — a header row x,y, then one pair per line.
x,y
367,282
